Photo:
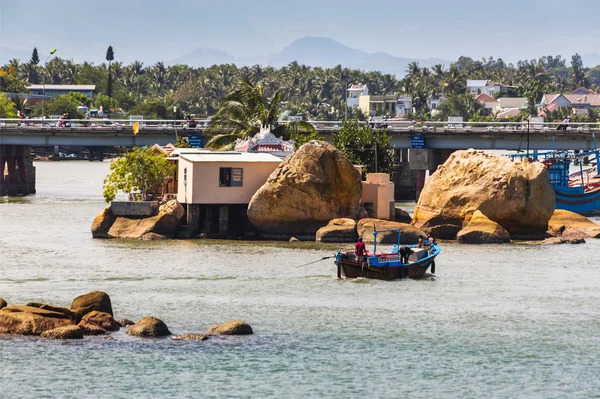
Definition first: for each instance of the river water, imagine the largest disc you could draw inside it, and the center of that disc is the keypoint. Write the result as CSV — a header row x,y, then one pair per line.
x,y
512,321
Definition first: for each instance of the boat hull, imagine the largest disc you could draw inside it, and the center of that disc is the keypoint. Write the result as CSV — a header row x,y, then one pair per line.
x,y
574,200
352,269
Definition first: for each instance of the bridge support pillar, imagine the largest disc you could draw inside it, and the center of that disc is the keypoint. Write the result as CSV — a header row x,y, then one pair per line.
x,y
96,153
17,173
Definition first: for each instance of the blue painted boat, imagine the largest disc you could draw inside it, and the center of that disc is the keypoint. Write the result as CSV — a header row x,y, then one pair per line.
x,y
387,265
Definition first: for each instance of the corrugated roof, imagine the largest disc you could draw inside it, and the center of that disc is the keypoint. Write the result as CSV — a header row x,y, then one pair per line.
x,y
592,100
230,157
512,102
62,87
477,83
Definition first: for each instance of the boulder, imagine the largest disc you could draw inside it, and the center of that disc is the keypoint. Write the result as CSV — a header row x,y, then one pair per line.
x,y
294,239
96,300
308,189
401,216
3,303
102,320
66,332
338,230
482,230
165,224
236,327
572,225
29,320
409,234
102,223
560,240
149,327
124,322
191,337
516,195
67,312
91,329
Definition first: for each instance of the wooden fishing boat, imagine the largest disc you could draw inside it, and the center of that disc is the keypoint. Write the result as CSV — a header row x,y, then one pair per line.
x,y
388,265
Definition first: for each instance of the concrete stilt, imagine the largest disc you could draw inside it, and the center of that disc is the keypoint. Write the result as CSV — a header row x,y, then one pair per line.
x,y
208,218
193,217
11,186
24,187
420,182
2,178
223,219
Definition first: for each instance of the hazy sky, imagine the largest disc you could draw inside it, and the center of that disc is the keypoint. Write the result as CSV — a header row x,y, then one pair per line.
x,y
152,30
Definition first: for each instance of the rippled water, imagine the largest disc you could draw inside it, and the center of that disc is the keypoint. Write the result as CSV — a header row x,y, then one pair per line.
x,y
498,321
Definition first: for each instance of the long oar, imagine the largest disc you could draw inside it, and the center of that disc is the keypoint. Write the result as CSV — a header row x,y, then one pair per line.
x,y
315,261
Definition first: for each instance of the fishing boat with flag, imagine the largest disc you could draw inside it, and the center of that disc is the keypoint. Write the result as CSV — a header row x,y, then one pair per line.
x,y
388,265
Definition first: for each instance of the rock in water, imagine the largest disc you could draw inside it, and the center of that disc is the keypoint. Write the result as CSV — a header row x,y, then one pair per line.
x,y
314,185
102,320
408,235
102,223
96,300
482,230
149,327
29,320
3,303
236,327
165,224
516,195
66,332
572,225
91,329
338,230
191,337
124,322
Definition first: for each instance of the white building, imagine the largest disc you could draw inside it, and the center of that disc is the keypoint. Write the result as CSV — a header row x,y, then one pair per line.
x,y
403,105
477,87
354,92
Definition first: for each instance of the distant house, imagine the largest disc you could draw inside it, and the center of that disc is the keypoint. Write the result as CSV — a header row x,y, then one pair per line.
x,y
377,105
584,90
505,103
403,105
477,87
266,142
489,103
354,92
378,196
433,103
59,90
581,101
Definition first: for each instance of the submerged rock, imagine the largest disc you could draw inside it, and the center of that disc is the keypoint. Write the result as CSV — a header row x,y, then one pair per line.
x,y
561,240
482,230
311,187
124,322
572,225
96,300
102,223
408,235
149,327
3,303
338,230
91,329
66,332
516,195
236,327
102,320
29,320
190,337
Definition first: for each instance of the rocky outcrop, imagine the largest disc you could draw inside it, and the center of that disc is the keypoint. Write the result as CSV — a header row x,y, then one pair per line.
x,y
29,320
516,195
165,224
149,327
66,332
97,300
67,312
102,320
236,327
409,234
560,240
102,223
338,230
482,230
91,329
125,322
401,216
191,337
568,224
3,303
311,187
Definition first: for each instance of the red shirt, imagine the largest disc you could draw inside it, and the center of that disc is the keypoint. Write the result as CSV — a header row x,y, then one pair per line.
x,y
359,248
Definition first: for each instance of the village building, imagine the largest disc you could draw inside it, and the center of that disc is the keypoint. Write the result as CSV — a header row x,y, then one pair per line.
x,y
266,142
354,92
581,100
378,196
59,90
216,187
484,86
378,105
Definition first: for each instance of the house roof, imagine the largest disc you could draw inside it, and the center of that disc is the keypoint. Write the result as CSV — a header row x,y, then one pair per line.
x,y
484,98
230,156
508,113
549,98
583,90
591,99
512,102
357,87
477,83
63,87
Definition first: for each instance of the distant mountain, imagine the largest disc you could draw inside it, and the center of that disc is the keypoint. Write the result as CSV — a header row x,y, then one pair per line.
x,y
313,51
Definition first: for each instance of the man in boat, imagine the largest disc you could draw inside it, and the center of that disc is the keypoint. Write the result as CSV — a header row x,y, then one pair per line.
x,y
405,253
360,250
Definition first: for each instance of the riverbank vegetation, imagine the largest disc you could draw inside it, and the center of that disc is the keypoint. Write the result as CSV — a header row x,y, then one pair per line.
x,y
312,92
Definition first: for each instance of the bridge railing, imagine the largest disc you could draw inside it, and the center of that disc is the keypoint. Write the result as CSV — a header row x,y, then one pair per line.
x,y
171,125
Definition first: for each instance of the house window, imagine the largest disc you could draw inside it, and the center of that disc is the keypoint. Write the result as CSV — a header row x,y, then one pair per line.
x,y
231,177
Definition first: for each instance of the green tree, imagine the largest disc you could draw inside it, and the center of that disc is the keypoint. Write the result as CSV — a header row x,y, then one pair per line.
x,y
182,142
463,105
302,138
34,61
67,103
7,107
365,146
138,171
110,56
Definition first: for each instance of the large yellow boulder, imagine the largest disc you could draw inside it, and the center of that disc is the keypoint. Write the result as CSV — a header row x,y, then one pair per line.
x,y
308,189
516,195
570,224
236,327
96,300
164,225
408,235
29,320
338,230
482,230
102,223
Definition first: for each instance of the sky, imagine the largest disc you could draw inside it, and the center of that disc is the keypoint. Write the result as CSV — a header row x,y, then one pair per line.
x,y
152,30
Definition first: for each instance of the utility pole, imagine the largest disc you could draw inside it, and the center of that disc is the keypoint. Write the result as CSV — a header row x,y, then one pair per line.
x,y
44,86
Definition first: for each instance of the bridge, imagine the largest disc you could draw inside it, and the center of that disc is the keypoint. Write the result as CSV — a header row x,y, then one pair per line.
x,y
430,142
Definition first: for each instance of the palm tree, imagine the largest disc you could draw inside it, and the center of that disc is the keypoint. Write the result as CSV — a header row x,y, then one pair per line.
x,y
110,56
245,112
